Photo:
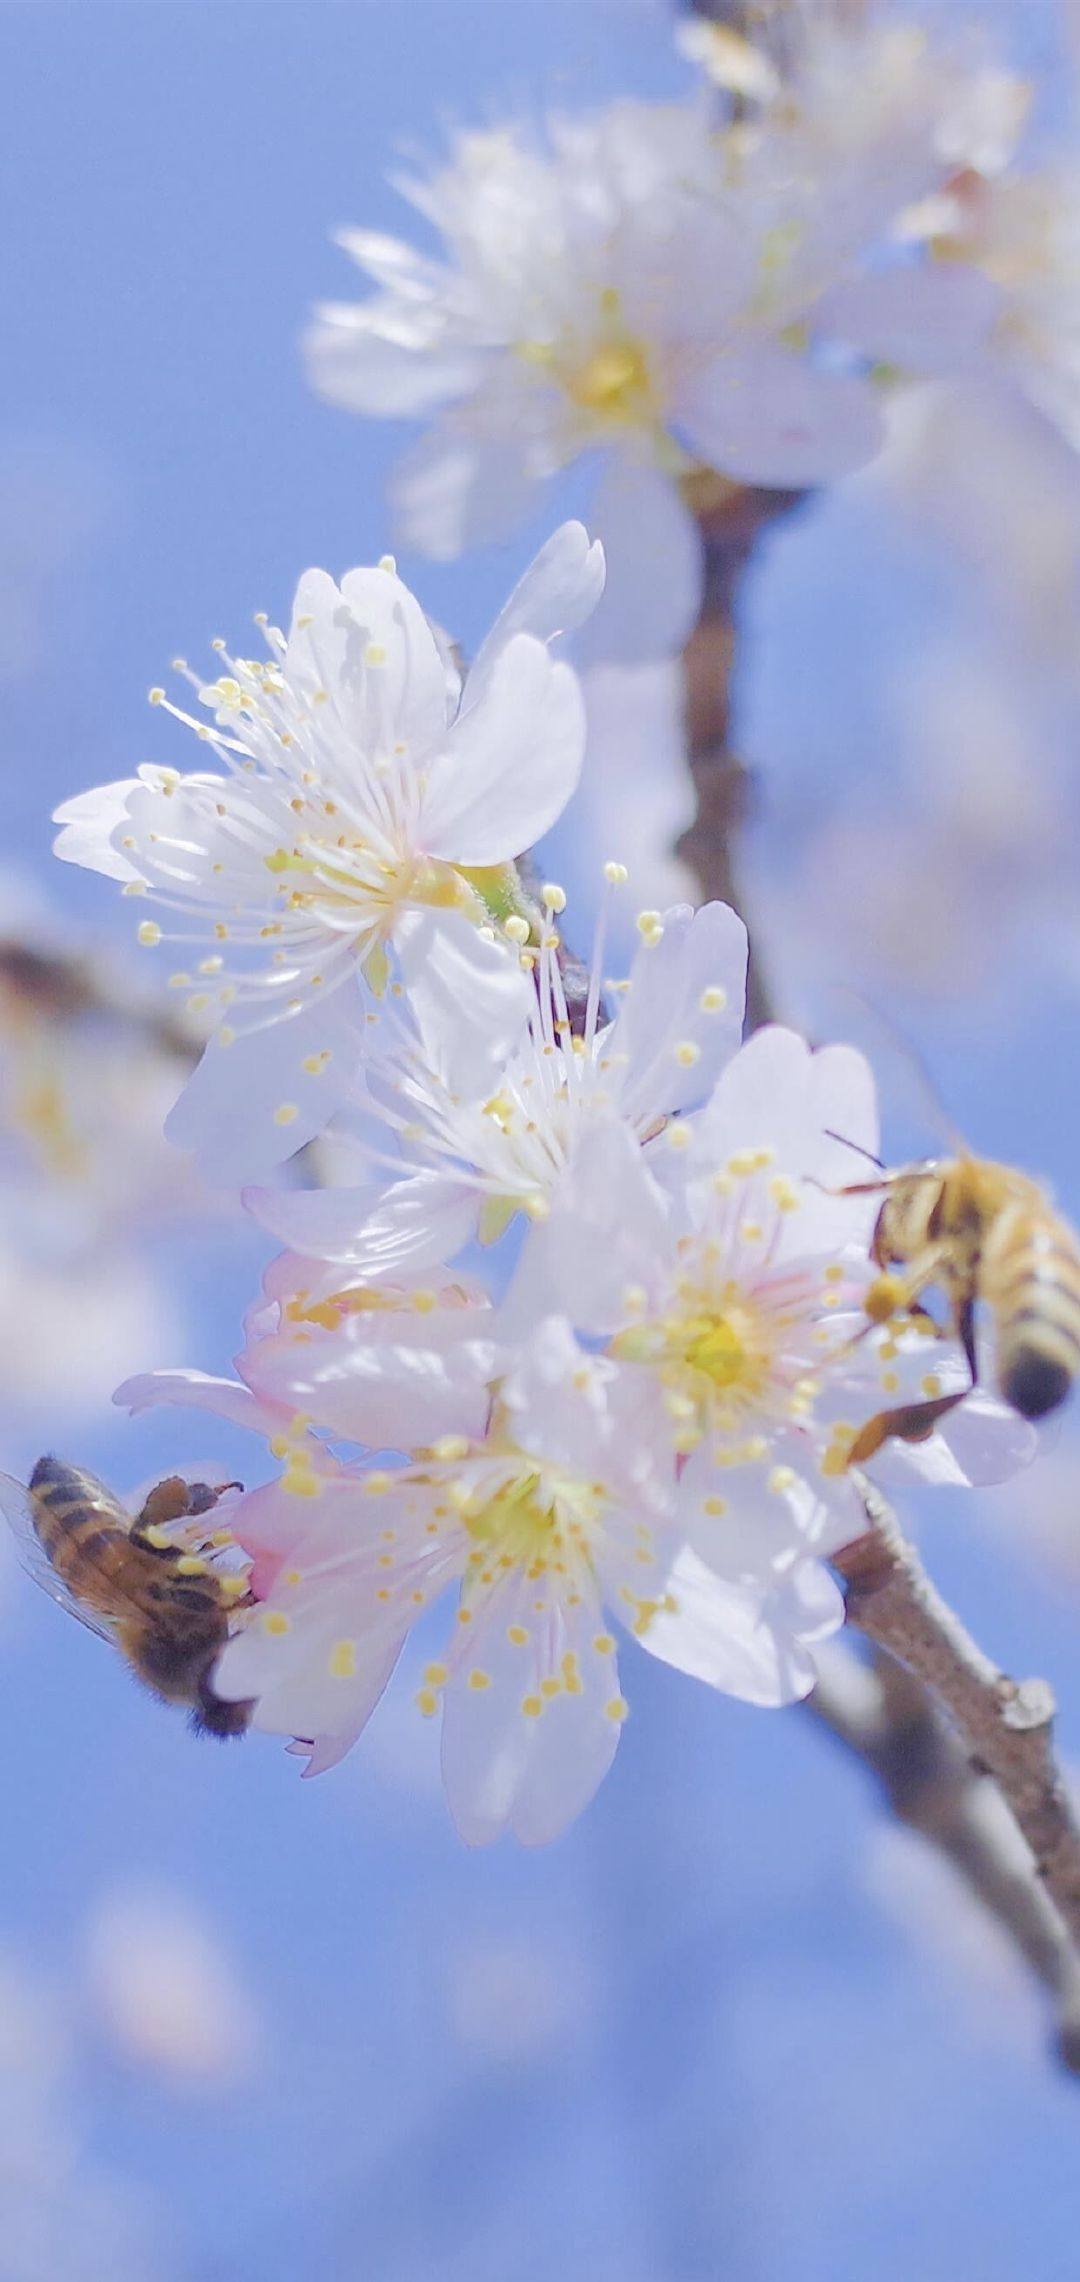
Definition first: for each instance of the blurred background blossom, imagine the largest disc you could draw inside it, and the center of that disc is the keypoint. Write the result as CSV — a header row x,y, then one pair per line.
x,y
248,2027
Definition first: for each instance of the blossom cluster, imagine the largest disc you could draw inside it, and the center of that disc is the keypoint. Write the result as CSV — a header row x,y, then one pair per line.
x,y
579,1343
692,294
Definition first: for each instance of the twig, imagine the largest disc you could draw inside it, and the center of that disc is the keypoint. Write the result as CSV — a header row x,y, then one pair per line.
x,y
993,1802
1006,1725
731,518
885,1719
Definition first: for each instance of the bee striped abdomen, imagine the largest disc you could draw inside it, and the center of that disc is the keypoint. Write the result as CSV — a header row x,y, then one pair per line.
x,y
81,1529
1031,1283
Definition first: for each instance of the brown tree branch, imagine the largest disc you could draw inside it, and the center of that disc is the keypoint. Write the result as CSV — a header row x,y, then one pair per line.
x,y
732,519
1006,1725
886,1720
988,1796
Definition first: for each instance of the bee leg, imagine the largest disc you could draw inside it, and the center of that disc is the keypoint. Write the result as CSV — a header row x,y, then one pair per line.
x,y
909,1422
965,1332
850,1188
915,1421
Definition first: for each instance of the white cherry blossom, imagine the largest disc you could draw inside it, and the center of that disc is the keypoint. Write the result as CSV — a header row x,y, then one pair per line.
x,y
664,293
483,1134
358,781
558,1520
730,1290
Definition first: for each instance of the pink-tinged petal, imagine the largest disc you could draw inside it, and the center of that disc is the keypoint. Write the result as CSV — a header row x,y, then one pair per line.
x,y
558,592
461,487
91,823
511,763
507,1765
686,991
933,319
198,1390
255,1101
381,1378
295,1687
655,568
764,415
607,1229
468,996
750,1644
360,356
279,1529
374,1231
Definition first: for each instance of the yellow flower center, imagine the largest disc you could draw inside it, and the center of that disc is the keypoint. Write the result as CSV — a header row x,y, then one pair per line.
x,y
608,376
532,1520
716,1345
614,383
713,1355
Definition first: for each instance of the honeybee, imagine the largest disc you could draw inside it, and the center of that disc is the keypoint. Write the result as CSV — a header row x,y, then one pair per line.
x,y
978,1231
157,1598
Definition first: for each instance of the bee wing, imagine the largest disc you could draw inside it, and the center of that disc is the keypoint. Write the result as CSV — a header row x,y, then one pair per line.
x,y
17,1507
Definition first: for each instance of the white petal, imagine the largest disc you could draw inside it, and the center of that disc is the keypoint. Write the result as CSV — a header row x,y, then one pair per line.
x,y
597,1418
560,589
512,762
392,263
746,1531
362,357
90,823
749,1644
458,489
198,1390
814,1113
252,1103
607,1229
503,1767
298,1696
376,1230
764,415
979,1443
368,650
652,594
662,1010
469,996
382,1380
414,674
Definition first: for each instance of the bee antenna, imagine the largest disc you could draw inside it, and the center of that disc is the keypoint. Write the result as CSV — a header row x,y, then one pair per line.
x,y
845,1143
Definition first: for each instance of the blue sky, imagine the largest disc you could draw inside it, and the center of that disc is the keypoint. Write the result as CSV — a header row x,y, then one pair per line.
x,y
713,2032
